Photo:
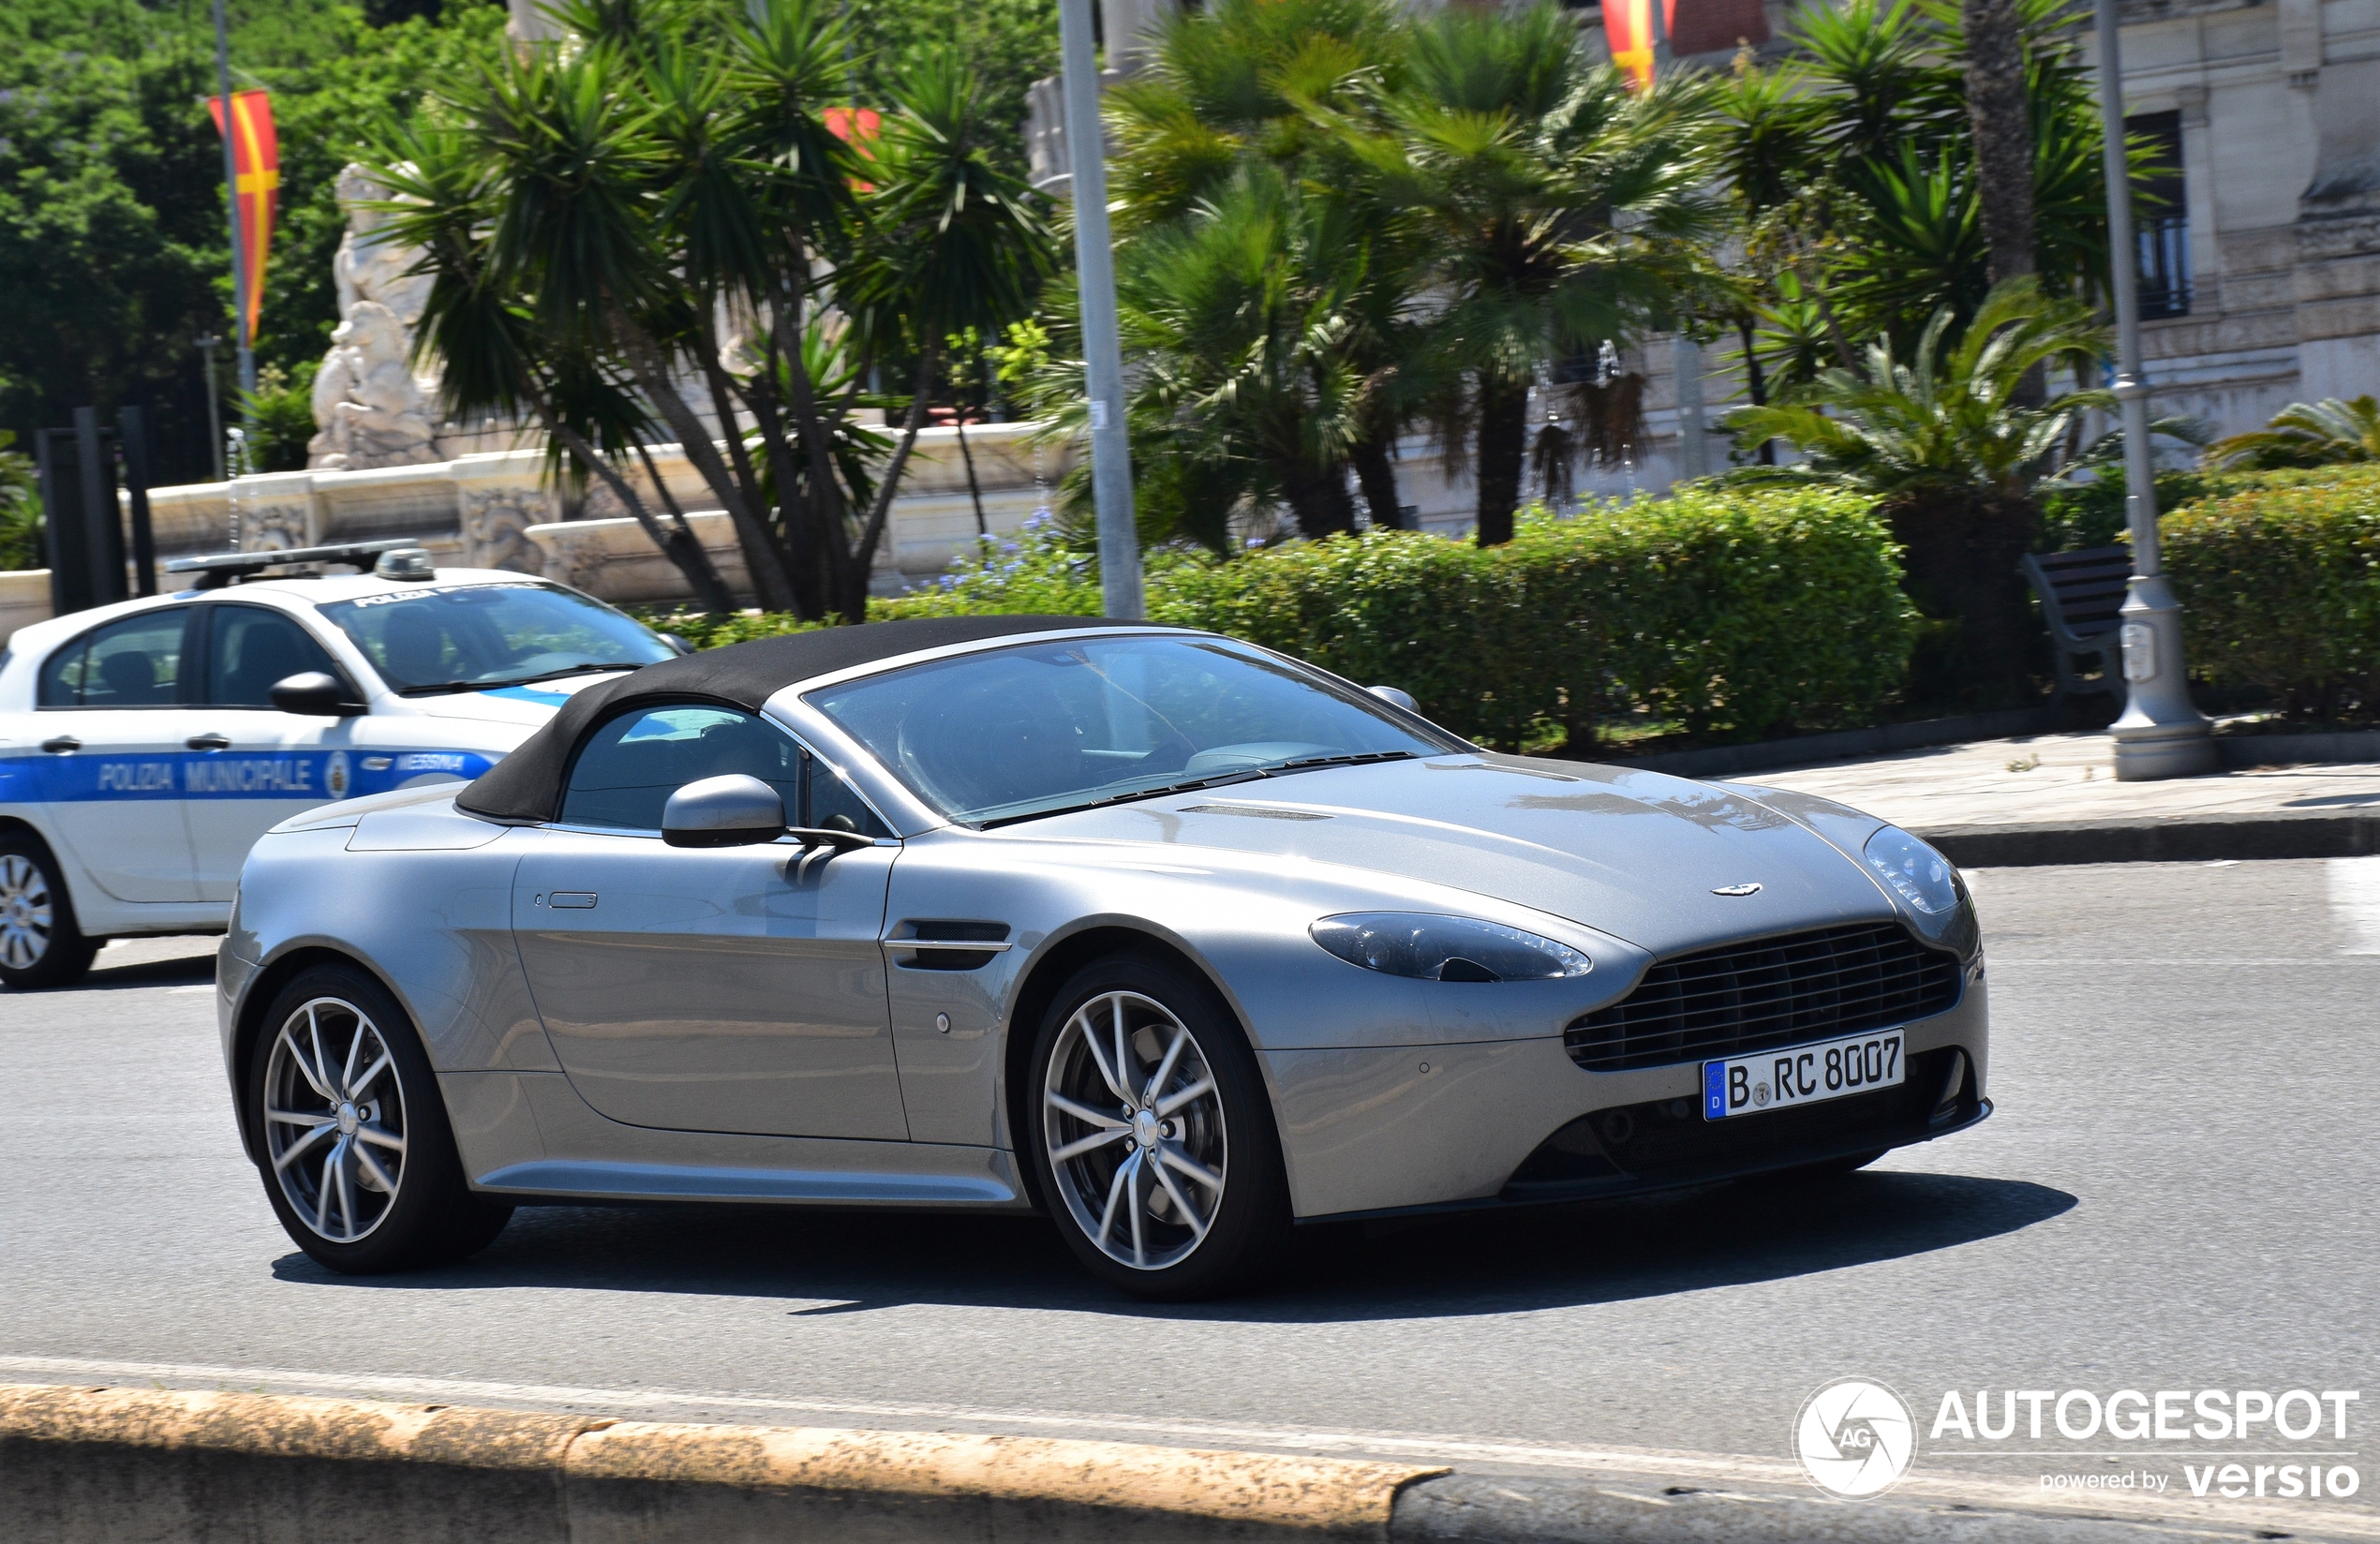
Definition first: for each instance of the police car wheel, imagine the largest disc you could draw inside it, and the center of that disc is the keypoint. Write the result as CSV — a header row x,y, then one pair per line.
x,y
351,1135
39,943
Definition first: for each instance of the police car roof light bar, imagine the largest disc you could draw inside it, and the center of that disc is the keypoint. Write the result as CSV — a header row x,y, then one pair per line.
x,y
225,567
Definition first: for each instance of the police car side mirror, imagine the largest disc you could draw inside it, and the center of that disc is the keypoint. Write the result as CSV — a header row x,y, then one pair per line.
x,y
315,693
734,810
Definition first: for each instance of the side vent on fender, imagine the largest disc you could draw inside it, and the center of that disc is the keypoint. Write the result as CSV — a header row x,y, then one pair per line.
x,y
941,943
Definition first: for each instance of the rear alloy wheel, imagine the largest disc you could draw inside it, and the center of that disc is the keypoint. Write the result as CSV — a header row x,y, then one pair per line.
x,y
1154,1139
39,943
357,1159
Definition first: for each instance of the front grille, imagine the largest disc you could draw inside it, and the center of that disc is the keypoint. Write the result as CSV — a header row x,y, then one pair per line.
x,y
1666,1141
1778,991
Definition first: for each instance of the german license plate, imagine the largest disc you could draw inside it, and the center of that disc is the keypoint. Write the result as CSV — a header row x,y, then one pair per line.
x,y
1801,1074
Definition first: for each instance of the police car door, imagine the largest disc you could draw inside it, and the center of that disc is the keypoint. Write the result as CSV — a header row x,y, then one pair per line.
x,y
112,727
257,765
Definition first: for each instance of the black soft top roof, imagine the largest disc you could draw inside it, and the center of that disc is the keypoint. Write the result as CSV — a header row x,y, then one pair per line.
x,y
526,785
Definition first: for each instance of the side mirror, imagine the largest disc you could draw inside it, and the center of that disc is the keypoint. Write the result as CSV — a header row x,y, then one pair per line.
x,y
1397,695
674,641
734,810
315,693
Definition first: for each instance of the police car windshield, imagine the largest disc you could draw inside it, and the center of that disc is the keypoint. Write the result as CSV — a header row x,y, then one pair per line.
x,y
472,637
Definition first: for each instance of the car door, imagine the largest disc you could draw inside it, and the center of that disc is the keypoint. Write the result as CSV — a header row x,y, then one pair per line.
x,y
112,733
734,990
254,766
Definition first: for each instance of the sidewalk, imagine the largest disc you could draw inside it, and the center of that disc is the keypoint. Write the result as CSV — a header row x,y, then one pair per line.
x,y
2054,798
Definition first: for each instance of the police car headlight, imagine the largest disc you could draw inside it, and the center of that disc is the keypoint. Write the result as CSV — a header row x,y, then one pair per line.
x,y
1446,948
1913,871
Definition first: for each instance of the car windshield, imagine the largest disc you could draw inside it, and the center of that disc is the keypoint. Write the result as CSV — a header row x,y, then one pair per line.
x,y
1014,733
466,637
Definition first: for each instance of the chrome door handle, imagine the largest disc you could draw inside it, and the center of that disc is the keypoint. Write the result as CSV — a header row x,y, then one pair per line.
x,y
571,901
209,741
58,745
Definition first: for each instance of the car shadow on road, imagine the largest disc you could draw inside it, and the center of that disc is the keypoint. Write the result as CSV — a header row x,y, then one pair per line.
x,y
1450,1265
185,970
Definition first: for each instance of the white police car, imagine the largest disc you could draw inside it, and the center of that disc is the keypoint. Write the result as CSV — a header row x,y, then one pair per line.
x,y
146,746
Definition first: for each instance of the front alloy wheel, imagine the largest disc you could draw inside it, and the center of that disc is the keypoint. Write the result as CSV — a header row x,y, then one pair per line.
x,y
350,1133
1135,1130
1153,1141
335,1120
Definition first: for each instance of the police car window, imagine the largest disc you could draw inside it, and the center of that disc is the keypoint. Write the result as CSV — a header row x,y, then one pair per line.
x,y
248,648
134,663
434,638
629,768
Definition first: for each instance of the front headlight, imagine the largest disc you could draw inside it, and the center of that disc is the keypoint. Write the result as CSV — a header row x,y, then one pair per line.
x,y
1446,948
1917,873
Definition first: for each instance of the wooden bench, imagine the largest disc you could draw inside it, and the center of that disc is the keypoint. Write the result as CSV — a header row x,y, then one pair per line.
x,y
2080,593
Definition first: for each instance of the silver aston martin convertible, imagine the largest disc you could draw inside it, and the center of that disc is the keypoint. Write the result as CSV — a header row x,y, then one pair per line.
x,y
1171,938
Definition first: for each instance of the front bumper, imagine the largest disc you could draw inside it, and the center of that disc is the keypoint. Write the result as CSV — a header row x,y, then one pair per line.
x,y
1502,1122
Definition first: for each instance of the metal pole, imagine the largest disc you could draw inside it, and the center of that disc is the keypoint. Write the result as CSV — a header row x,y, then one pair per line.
x,y
1119,587
1685,355
231,189
206,342
2161,733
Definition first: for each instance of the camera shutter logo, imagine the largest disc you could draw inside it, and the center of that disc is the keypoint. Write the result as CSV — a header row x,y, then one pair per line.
x,y
1855,1438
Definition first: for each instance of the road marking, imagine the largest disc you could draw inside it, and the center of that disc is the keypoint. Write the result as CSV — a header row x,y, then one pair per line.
x,y
1721,1472
2355,900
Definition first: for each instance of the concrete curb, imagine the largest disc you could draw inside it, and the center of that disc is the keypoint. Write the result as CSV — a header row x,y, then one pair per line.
x,y
81,1463
1482,1509
2179,839
114,1464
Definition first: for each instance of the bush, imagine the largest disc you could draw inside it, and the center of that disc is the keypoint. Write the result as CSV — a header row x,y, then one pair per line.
x,y
2279,585
1735,613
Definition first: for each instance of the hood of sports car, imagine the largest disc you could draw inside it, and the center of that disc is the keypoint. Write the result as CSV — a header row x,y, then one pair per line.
x,y
1639,855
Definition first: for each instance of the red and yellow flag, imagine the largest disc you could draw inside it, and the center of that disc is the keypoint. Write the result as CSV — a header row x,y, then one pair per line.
x,y
860,127
1628,26
256,162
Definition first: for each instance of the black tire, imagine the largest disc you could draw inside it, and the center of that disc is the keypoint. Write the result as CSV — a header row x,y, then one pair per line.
x,y
1227,1133
324,1035
40,945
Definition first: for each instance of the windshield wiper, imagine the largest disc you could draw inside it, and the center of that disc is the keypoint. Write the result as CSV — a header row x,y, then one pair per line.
x,y
1245,774
1307,764
1219,779
447,687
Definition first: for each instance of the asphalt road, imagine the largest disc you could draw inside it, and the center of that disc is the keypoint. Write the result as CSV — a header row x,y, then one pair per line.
x,y
2175,1194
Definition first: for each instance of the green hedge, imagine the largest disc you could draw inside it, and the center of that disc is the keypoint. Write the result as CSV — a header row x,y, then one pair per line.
x,y
2279,587
1733,615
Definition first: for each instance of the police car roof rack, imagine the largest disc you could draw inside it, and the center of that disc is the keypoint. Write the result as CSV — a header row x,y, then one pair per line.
x,y
227,568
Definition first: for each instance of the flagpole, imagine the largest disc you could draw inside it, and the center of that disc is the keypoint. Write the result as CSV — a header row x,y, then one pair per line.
x,y
232,191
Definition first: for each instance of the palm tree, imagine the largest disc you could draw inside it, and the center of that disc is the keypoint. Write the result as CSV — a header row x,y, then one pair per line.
x,y
665,219
1945,442
1562,209
2304,434
1992,39
1245,393
1244,82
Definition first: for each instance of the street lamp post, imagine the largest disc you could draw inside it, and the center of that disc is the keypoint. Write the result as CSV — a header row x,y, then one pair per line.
x,y
1119,587
2161,733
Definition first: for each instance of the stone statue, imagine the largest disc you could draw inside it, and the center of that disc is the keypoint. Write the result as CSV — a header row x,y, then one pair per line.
x,y
370,406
